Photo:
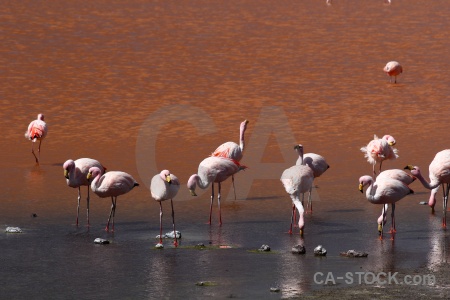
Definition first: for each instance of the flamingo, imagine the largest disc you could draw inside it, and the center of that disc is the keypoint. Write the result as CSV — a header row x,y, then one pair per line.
x,y
297,180
439,172
233,150
379,150
165,186
384,191
318,164
393,68
76,176
392,174
213,169
111,184
37,131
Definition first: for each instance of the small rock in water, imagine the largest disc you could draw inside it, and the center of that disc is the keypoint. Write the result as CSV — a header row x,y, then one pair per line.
x,y
264,248
274,290
101,241
159,246
13,230
34,215
423,203
170,235
201,245
320,251
298,249
354,253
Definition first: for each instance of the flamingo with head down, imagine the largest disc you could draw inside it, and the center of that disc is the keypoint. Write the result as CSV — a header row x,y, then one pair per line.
x,y
318,165
439,173
213,170
393,69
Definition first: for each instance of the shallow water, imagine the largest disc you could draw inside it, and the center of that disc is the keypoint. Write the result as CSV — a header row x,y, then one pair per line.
x,y
146,85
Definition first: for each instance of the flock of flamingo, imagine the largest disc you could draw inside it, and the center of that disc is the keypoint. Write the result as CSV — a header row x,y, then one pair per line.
x,y
386,187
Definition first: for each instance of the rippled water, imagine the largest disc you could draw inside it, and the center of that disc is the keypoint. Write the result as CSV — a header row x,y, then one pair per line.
x,y
146,85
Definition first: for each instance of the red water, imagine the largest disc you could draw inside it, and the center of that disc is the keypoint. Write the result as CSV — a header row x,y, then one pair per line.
x,y
147,85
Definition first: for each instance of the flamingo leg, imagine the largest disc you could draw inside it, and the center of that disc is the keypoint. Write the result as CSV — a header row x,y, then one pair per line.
x,y
380,227
381,162
32,151
392,231
211,205
234,189
309,204
173,221
39,149
114,212
292,218
78,207
444,220
110,213
218,203
87,207
160,222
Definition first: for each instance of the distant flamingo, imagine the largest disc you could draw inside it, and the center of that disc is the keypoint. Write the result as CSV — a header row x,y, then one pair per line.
x,y
76,176
111,184
379,150
392,174
37,131
393,68
165,186
297,180
318,164
213,169
384,191
233,150
439,172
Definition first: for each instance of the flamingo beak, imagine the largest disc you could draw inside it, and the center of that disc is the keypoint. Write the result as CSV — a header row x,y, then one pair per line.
x,y
66,174
301,232
380,228
246,122
361,188
391,143
408,167
89,175
168,179
193,193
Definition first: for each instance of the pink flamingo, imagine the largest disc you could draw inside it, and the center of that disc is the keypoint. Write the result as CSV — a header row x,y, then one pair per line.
x,y
233,150
111,184
213,169
297,180
76,176
379,150
37,131
165,186
392,174
318,164
393,68
384,191
439,172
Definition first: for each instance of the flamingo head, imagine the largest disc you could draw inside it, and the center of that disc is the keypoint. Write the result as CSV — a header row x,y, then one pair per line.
x,y
415,170
191,184
244,125
390,139
165,175
363,181
68,165
93,172
40,117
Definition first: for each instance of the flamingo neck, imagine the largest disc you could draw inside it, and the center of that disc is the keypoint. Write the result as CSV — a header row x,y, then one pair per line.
x,y
426,184
241,138
197,180
300,157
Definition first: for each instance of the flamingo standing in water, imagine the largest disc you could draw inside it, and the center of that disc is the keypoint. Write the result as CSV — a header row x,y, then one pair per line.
x,y
76,176
393,68
297,180
392,174
384,191
379,150
318,164
165,186
233,150
213,169
37,131
111,184
439,172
